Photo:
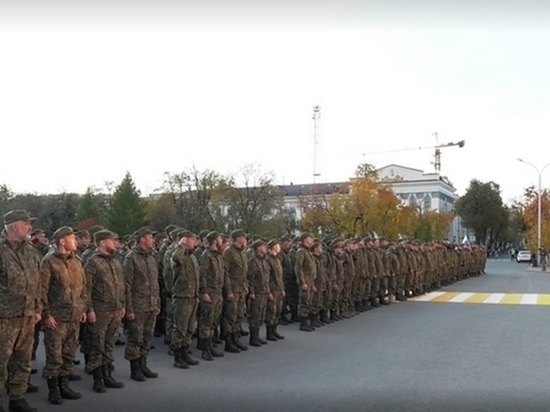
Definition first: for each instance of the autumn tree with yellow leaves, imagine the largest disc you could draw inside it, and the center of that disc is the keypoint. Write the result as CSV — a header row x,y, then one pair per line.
x,y
367,204
528,210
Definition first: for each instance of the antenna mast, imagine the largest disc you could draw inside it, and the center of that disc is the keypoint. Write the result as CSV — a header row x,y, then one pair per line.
x,y
316,116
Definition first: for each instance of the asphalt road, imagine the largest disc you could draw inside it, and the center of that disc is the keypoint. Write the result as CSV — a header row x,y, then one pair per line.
x,y
413,356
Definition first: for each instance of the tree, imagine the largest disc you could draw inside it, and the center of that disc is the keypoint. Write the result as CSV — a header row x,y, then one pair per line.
x,y
526,218
91,207
127,211
161,212
482,210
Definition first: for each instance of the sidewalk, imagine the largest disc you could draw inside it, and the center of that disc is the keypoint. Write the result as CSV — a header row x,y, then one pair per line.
x,y
538,269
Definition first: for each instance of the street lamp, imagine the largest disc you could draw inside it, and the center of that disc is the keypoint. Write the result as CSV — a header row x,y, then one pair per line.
x,y
539,219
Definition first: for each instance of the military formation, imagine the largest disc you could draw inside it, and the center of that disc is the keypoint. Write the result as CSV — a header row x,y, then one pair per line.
x,y
87,287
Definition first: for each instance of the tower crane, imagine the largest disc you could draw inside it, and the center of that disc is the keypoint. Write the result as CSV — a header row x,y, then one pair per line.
x,y
437,151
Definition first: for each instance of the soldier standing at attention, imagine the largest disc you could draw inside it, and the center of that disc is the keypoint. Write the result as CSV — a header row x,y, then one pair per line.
x,y
213,283
258,283
236,265
106,288
306,274
20,308
83,241
277,289
142,302
185,298
65,305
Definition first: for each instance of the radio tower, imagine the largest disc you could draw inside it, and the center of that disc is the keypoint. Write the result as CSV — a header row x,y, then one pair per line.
x,y
316,116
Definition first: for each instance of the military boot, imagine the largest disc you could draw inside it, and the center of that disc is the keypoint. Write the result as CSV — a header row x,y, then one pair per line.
x,y
65,391
269,334
324,318
374,303
216,338
254,338
214,352
188,359
54,397
236,342
401,297
205,354
294,316
135,371
178,359
243,332
276,333
108,379
145,369
304,324
283,320
32,388
21,405
99,385
314,321
230,346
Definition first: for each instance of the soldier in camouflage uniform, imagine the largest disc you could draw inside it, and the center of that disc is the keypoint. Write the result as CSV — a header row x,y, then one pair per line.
x,y
65,305
83,240
162,319
214,283
259,292
168,280
236,265
277,289
106,288
338,265
20,307
346,308
320,285
289,279
185,298
306,273
330,284
142,302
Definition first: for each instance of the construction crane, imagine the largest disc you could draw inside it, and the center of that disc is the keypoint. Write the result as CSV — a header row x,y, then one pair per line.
x,y
437,153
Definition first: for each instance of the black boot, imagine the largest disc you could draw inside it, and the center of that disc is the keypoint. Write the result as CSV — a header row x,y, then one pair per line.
x,y
284,321
99,385
206,355
21,405
73,377
32,388
145,369
304,324
254,335
269,334
216,338
315,321
108,379
262,341
294,316
277,335
324,318
54,397
214,352
135,371
188,359
237,343
178,359
230,346
65,391
243,332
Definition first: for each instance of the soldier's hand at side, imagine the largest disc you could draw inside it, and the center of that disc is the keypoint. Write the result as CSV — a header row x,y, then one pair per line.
x,y
37,318
246,290
270,297
252,296
92,317
206,298
83,318
304,287
130,316
156,312
122,313
284,293
50,323
230,297
314,289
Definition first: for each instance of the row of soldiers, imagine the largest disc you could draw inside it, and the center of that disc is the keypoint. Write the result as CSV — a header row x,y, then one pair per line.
x,y
186,283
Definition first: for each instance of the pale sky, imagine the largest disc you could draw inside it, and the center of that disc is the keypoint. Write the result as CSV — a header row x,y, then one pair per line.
x,y
89,93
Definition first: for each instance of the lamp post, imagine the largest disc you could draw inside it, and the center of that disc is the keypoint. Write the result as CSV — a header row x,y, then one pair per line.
x,y
539,218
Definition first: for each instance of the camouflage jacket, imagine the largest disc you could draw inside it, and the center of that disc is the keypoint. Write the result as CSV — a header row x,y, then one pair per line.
x,y
141,278
288,269
258,275
185,270
276,281
306,269
236,265
213,277
167,274
322,277
19,280
64,290
87,254
105,281
349,267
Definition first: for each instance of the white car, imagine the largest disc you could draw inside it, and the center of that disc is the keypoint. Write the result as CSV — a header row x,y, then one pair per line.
x,y
523,256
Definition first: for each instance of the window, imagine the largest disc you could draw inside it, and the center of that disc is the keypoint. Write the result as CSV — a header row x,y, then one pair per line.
x,y
412,200
427,202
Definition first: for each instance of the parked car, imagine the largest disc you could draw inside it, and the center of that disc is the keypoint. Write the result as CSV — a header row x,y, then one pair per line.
x,y
523,256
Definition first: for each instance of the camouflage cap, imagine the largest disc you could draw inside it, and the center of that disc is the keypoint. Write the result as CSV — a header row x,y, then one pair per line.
x,y
168,229
212,236
17,215
257,243
144,231
127,238
37,232
285,238
203,233
304,236
62,232
82,233
237,233
186,233
315,245
174,232
95,229
272,243
102,235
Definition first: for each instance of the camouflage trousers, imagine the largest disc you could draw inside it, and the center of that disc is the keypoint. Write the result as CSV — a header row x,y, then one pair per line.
x,y
367,291
292,295
392,284
37,329
60,345
140,334
305,307
256,311
274,309
84,335
233,313
375,290
103,336
185,315
384,286
337,297
210,315
169,318
358,288
318,302
16,340
328,297
346,301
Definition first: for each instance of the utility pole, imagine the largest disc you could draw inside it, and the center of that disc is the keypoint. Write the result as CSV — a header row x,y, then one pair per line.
x,y
316,116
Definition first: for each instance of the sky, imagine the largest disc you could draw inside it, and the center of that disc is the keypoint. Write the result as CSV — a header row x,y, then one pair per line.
x,y
92,90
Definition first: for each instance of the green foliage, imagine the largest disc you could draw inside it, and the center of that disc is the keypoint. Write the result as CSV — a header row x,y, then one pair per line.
x,y
127,211
91,207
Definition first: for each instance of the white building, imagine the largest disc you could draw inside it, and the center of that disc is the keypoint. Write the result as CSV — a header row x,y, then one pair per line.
x,y
430,191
